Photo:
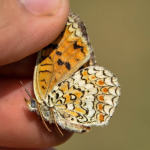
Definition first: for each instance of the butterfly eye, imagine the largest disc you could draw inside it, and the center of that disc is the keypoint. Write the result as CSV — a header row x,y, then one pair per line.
x,y
33,103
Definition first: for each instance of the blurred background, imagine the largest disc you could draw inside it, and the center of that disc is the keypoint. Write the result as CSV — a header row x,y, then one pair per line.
x,y
119,31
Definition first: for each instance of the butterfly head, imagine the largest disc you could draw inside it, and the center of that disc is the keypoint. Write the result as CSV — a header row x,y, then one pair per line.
x,y
32,104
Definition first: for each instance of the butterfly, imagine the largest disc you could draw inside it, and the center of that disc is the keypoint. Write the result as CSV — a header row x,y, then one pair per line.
x,y
70,89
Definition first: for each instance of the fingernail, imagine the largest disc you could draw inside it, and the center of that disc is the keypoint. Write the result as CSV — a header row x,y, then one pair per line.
x,y
42,7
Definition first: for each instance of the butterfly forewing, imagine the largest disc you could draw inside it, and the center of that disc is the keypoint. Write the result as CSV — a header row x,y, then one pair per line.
x,y
62,58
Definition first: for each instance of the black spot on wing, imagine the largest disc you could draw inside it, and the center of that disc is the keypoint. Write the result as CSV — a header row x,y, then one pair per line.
x,y
68,66
43,87
78,47
49,97
60,62
59,84
58,53
57,95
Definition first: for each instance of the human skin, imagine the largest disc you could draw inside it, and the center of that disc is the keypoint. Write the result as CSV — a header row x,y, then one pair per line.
x,y
23,33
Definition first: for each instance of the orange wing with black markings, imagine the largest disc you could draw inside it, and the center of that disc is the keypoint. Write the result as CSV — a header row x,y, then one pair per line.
x,y
62,58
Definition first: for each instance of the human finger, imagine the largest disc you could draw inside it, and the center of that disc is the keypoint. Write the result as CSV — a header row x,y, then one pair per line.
x,y
24,33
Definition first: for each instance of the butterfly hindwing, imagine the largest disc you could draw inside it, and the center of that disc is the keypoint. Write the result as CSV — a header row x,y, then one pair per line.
x,y
87,98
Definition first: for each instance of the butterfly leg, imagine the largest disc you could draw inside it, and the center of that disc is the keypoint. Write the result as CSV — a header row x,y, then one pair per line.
x,y
53,116
34,106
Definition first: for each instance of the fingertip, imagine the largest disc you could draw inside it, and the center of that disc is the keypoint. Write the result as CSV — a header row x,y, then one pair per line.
x,y
28,33
40,7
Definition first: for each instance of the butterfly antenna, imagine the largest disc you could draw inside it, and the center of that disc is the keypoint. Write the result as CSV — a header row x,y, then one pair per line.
x,y
57,124
25,89
23,86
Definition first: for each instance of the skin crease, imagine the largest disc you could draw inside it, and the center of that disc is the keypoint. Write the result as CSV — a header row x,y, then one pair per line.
x,y
24,34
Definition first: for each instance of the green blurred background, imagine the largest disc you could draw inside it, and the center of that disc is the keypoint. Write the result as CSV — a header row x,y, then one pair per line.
x,y
119,31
